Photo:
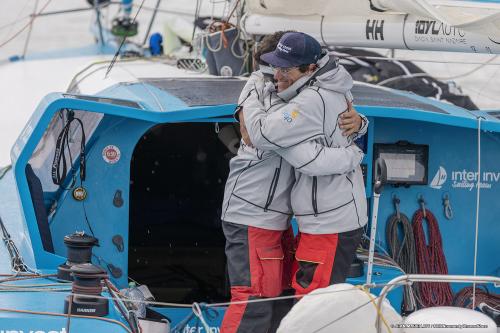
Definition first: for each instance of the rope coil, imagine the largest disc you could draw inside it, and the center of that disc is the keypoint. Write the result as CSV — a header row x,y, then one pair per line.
x,y
430,260
402,250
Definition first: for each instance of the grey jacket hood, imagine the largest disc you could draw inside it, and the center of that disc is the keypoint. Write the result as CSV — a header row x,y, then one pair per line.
x,y
329,76
336,79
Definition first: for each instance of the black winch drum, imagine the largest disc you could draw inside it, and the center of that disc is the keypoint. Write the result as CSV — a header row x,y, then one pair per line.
x,y
79,251
87,289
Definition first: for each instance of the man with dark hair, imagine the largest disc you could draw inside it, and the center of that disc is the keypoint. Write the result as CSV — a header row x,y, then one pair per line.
x,y
267,44
257,210
330,208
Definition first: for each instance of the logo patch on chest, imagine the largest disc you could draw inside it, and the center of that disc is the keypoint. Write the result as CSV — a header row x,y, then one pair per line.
x,y
290,116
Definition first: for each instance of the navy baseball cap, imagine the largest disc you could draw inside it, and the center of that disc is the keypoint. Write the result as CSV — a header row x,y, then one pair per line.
x,y
294,49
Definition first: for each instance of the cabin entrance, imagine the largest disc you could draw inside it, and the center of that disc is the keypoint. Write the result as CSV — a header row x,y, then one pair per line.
x,y
176,244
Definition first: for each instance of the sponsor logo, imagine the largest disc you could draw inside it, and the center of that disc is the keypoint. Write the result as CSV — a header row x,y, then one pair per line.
x,y
85,310
375,29
439,179
429,31
284,48
465,179
111,154
290,116
425,27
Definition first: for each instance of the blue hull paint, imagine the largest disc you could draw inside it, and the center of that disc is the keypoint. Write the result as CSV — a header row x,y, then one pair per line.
x,y
451,137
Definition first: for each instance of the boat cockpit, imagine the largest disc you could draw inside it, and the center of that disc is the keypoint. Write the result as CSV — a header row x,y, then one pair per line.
x,y
147,178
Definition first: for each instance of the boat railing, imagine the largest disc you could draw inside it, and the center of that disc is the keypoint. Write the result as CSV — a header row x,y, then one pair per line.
x,y
410,278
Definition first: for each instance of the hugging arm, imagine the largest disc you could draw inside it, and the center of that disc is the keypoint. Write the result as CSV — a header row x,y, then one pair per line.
x,y
313,159
290,124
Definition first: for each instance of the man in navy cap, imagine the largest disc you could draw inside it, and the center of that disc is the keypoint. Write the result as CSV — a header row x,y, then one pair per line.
x,y
257,207
331,209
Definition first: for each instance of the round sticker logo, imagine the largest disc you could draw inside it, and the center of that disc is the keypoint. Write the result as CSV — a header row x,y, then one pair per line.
x,y
111,154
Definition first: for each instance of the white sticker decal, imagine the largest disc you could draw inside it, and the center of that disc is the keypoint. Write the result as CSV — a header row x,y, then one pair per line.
x,y
465,179
111,154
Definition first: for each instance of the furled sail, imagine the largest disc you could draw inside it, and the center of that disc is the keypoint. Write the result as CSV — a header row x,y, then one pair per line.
x,y
458,26
479,19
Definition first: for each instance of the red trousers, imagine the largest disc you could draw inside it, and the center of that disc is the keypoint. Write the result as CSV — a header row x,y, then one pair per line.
x,y
261,264
323,260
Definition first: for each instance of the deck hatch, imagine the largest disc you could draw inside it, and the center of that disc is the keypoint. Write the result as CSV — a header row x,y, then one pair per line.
x,y
217,91
495,114
366,95
201,92
107,100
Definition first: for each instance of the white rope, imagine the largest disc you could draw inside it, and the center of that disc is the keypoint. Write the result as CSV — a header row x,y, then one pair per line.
x,y
209,46
478,184
405,76
471,71
198,313
184,305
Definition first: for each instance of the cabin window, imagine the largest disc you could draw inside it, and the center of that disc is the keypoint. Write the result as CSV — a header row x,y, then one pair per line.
x,y
41,160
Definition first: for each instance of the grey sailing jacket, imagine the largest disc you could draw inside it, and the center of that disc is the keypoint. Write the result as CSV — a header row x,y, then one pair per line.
x,y
322,204
259,184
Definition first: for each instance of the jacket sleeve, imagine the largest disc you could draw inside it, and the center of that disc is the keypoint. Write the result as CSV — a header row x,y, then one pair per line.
x,y
313,159
300,120
252,92
364,127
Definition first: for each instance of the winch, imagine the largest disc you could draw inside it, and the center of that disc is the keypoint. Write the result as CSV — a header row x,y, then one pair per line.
x,y
79,251
86,290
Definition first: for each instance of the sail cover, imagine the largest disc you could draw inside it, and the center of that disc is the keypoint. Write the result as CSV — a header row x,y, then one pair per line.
x,y
459,26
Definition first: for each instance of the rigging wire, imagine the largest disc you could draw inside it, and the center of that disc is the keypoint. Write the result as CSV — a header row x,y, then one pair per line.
x,y
16,261
196,17
478,200
18,19
74,10
345,315
153,17
5,26
321,32
41,313
115,57
411,75
472,71
29,31
488,82
211,305
25,26
4,170
117,297
232,11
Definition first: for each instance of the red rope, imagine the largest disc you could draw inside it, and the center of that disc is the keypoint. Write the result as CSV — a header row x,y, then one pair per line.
x,y
464,297
430,260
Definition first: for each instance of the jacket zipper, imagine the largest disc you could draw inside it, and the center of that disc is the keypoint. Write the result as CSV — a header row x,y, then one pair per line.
x,y
315,195
272,188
